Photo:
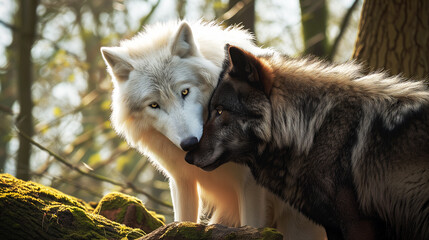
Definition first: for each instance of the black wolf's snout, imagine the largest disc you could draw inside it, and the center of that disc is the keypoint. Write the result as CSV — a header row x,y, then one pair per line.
x,y
189,143
189,159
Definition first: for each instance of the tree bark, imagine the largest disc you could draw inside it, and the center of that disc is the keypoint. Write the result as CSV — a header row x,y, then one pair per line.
x,y
7,98
394,36
313,20
189,230
27,31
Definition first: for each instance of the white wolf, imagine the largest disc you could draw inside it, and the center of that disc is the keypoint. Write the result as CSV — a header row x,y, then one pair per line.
x,y
163,79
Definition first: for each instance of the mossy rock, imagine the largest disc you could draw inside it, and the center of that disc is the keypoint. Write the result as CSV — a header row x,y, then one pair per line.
x,y
32,211
195,231
130,211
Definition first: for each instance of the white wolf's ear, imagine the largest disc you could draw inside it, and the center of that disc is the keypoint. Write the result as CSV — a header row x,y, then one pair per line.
x,y
184,44
115,58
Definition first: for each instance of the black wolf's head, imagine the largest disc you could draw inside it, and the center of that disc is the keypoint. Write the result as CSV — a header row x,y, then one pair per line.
x,y
239,120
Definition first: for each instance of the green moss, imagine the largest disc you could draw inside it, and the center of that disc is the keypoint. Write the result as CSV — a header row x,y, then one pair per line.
x,y
188,230
124,208
231,236
32,211
270,234
160,217
139,215
34,192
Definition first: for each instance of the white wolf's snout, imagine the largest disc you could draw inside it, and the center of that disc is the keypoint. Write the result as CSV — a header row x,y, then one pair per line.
x,y
185,126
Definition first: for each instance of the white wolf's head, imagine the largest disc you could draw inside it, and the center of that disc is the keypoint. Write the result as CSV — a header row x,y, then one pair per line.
x,y
164,85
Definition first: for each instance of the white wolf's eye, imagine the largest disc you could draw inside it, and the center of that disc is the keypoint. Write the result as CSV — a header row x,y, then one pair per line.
x,y
219,110
185,92
154,105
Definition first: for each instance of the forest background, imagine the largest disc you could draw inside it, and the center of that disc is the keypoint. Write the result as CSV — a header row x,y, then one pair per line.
x,y
55,91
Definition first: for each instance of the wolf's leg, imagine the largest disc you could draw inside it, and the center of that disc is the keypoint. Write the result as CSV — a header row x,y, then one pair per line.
x,y
333,233
185,199
252,204
174,199
295,226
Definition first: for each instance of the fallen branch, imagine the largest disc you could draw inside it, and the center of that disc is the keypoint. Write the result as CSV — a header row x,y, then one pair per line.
x,y
92,175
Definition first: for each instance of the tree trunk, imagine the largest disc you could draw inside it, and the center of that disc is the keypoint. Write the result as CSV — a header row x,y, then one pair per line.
x,y
244,13
313,19
181,8
27,30
190,230
7,98
394,36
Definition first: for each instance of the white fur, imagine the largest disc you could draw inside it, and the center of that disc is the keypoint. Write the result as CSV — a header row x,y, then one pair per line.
x,y
162,61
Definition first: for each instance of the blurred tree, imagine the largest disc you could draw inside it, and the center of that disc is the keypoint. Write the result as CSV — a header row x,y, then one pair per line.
x,y
343,27
394,35
27,31
181,8
7,98
241,12
314,21
314,24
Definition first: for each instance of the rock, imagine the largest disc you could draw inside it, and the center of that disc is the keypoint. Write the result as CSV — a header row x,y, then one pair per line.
x,y
194,231
32,211
129,211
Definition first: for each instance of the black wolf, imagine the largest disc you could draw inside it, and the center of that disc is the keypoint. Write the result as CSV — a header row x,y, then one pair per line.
x,y
350,151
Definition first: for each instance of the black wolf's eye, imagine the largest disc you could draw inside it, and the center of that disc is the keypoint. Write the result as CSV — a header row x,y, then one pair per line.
x,y
219,110
185,92
154,105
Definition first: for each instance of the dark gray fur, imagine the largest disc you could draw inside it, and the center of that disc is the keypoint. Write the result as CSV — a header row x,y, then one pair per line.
x,y
350,151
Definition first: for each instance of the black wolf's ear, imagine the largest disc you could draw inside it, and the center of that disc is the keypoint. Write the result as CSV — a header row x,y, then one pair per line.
x,y
115,59
184,43
246,66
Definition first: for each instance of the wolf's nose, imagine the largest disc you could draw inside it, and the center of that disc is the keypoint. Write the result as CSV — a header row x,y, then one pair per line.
x,y
189,143
189,159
